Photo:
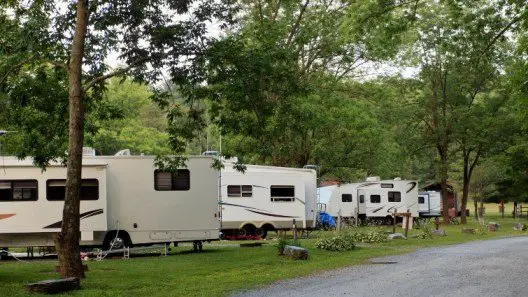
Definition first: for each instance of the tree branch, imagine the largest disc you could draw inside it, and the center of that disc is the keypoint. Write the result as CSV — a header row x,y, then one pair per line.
x,y
112,74
499,35
16,66
297,22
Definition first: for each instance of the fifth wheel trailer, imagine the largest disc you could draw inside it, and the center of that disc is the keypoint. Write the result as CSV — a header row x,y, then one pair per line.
x,y
374,198
429,204
125,201
266,198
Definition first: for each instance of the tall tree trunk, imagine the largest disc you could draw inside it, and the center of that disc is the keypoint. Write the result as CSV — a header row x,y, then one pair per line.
x,y
463,203
444,193
465,188
443,183
67,241
468,172
475,203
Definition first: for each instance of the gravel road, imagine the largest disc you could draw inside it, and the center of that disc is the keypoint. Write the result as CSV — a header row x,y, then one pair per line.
x,y
484,268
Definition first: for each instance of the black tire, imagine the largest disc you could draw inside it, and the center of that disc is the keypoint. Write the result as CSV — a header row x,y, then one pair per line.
x,y
261,232
242,232
120,241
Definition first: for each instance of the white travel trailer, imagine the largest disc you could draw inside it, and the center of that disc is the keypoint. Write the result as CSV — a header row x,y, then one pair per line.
x,y
125,201
429,204
374,199
266,198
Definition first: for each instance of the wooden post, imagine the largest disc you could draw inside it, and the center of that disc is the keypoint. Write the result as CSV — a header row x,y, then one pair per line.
x,y
294,230
339,220
407,218
394,222
501,208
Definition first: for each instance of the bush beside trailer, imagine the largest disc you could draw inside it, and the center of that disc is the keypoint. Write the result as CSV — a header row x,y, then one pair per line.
x,y
267,198
124,200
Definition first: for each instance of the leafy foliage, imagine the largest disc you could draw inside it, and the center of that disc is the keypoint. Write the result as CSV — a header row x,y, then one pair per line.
x,y
368,235
343,241
426,228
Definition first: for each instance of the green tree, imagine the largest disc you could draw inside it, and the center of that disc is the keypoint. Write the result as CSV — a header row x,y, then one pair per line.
x,y
76,38
459,54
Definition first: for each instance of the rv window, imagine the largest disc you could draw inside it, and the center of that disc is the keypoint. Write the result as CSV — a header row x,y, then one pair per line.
x,y
394,197
18,190
239,191
387,185
175,181
421,200
56,189
346,198
375,199
282,193
362,199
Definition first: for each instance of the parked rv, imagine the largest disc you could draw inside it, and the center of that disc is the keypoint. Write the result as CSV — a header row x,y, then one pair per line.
x,y
125,201
266,198
374,198
429,204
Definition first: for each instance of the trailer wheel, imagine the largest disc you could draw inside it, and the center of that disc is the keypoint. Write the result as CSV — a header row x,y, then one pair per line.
x,y
197,246
114,242
261,232
247,230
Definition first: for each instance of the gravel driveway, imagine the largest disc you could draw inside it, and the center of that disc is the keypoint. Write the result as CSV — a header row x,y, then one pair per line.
x,y
483,268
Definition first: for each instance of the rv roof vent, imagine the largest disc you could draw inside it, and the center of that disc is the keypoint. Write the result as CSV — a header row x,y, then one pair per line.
x,y
373,179
125,152
397,178
88,151
211,153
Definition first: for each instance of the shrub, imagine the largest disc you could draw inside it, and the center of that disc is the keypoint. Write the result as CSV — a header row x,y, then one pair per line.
x,y
369,236
341,242
426,229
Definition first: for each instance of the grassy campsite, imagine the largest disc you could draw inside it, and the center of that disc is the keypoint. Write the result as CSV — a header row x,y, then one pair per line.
x,y
223,267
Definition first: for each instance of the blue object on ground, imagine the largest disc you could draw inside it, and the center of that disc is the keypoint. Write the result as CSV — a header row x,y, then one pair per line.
x,y
326,220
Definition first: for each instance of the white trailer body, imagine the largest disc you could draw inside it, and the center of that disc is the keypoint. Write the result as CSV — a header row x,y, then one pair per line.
x,y
429,204
265,198
374,198
385,197
123,195
345,201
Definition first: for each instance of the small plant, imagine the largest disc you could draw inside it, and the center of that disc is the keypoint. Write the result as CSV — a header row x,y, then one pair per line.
x,y
426,229
343,241
482,228
369,236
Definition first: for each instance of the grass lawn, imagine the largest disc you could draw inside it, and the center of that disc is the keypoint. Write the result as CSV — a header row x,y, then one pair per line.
x,y
222,268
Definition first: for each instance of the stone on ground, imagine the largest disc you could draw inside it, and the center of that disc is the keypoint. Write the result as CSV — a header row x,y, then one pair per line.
x,y
397,236
295,252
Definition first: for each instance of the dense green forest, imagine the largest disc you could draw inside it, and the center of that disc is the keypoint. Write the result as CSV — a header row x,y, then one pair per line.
x,y
427,90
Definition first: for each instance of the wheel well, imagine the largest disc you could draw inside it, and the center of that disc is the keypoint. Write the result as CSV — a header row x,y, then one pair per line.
x,y
112,234
268,227
249,227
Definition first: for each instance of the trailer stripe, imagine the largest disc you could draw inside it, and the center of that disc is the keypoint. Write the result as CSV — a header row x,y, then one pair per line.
x,y
6,215
84,215
270,214
378,209
238,205
412,187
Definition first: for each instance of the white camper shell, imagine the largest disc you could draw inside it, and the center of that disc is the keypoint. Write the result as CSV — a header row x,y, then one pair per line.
x,y
374,199
429,204
266,198
123,195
